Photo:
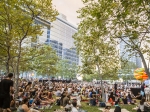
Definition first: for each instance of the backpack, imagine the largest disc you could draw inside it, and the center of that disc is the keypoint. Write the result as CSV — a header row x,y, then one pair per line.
x,y
102,104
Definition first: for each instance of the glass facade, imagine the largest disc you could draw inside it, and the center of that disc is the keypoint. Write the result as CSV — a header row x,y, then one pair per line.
x,y
127,55
71,55
62,31
59,34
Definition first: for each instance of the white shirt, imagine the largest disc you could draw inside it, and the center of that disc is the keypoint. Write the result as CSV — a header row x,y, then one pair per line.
x,y
69,90
106,97
62,90
141,107
146,90
74,109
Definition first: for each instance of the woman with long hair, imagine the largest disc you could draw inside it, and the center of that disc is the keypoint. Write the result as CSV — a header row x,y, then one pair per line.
x,y
27,89
111,99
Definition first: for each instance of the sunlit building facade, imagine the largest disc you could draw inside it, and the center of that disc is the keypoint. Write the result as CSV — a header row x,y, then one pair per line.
x,y
58,34
124,54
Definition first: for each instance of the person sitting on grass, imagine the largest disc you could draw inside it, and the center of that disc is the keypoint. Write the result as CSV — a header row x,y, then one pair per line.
x,y
79,100
24,107
74,108
27,89
13,104
141,106
68,107
107,108
117,100
129,98
124,99
117,108
146,106
66,99
111,99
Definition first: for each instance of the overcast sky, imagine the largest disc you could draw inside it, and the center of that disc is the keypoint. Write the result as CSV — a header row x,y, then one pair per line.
x,y
69,8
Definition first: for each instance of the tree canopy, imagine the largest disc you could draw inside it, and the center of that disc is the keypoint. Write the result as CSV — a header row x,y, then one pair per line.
x,y
127,67
45,64
18,28
131,25
65,69
105,23
97,49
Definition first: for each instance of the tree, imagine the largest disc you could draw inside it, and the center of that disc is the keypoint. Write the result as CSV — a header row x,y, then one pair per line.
x,y
31,54
65,69
93,40
89,78
131,25
125,20
127,70
45,64
15,30
127,67
121,19
18,28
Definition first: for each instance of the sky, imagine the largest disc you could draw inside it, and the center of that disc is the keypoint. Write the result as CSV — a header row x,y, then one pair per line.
x,y
69,8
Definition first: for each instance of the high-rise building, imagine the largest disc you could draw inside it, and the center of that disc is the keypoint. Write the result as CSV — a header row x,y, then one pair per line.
x,y
59,34
125,54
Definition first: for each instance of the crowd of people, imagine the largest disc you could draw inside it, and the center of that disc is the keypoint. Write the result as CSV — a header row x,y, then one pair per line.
x,y
37,96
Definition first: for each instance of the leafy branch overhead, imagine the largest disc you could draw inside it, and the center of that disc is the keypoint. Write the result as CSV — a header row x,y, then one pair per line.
x,y
65,69
93,41
106,24
19,27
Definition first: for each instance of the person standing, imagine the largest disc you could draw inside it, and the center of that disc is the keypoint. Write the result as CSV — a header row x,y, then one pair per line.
x,y
115,87
106,96
6,86
142,90
147,90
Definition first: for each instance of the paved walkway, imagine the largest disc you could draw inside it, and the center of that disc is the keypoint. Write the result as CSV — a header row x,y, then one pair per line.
x,y
112,110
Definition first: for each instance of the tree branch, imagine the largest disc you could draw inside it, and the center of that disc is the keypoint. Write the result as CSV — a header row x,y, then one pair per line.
x,y
148,12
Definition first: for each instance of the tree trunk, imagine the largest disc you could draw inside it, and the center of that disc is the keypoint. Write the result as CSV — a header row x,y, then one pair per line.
x,y
8,60
17,69
103,94
7,67
17,77
144,63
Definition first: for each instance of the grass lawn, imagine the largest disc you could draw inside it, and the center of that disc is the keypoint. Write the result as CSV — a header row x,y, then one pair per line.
x,y
95,108
128,107
90,108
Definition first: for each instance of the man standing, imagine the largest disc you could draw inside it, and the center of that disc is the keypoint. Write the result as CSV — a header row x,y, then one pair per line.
x,y
6,86
142,89
147,90
115,87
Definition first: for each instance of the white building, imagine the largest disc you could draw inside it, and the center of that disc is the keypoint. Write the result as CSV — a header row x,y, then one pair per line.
x,y
125,54
59,34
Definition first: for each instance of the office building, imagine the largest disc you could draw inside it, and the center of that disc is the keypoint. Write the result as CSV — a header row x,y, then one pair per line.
x,y
59,34
125,54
